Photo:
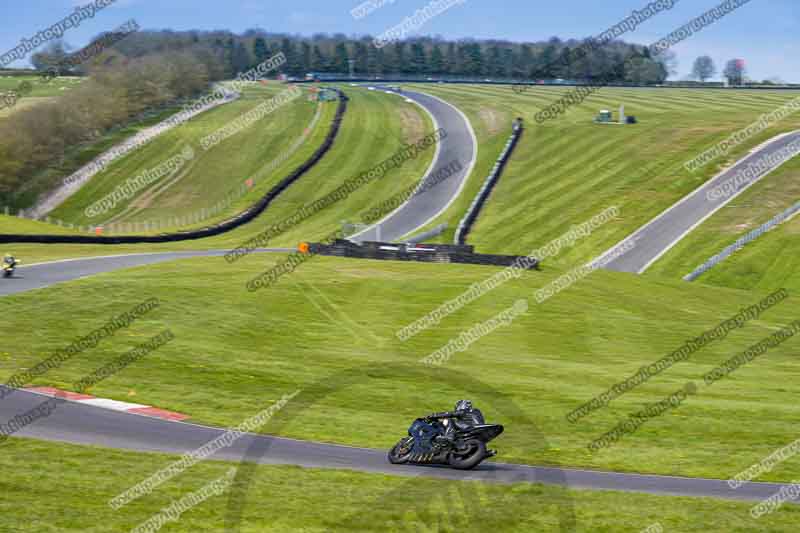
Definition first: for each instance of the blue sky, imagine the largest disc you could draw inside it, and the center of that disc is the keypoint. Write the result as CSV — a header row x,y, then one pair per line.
x,y
763,32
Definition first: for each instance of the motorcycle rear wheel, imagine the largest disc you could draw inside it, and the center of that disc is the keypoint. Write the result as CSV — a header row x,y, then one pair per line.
x,y
469,457
401,453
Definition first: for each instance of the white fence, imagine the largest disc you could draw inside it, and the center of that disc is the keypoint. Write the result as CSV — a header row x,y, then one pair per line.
x,y
739,244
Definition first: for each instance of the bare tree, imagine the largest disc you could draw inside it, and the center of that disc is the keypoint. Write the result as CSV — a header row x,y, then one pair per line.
x,y
735,71
704,68
52,56
669,60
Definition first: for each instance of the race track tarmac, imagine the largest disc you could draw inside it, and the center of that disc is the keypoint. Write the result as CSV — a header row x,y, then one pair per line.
x,y
658,236
77,423
29,277
436,192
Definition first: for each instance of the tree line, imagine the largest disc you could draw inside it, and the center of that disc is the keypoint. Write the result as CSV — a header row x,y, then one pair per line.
x,y
150,69
38,144
324,53
735,72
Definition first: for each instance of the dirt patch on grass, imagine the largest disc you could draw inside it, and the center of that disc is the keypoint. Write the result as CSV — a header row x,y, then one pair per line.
x,y
364,272
493,119
737,229
412,125
182,199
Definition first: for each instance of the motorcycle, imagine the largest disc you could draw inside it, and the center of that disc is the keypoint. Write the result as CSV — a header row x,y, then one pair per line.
x,y
9,268
426,446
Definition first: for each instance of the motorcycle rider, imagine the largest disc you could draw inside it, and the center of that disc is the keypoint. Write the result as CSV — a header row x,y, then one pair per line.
x,y
463,417
9,260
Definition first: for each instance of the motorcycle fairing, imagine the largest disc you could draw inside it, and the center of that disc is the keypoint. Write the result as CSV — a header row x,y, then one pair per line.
x,y
423,434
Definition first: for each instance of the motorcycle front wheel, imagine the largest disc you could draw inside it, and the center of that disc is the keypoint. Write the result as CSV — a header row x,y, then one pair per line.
x,y
401,452
468,456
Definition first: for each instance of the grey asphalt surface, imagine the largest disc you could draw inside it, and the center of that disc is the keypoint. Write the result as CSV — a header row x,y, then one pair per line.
x,y
459,145
42,275
77,423
659,235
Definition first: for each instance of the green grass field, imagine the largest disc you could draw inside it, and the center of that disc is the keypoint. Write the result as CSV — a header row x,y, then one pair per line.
x,y
281,499
638,168
328,329
211,175
40,88
375,127
492,127
23,226
332,315
568,169
769,262
79,155
41,91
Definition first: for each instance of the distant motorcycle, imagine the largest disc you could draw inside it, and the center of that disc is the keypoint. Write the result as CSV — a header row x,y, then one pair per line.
x,y
425,445
9,268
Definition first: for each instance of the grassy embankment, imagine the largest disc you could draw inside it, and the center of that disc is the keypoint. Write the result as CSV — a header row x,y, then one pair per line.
x,y
336,314
568,169
281,499
375,127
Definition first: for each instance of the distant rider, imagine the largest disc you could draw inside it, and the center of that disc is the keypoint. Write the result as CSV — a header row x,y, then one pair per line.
x,y
9,260
463,417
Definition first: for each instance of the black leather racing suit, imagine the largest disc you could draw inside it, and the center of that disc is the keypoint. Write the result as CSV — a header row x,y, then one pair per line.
x,y
461,420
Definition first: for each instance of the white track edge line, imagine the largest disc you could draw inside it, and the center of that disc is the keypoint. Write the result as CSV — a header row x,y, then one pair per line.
x,y
687,197
425,176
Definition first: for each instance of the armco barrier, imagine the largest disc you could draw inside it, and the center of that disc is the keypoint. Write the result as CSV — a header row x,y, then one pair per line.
x,y
739,244
430,234
239,220
474,210
426,253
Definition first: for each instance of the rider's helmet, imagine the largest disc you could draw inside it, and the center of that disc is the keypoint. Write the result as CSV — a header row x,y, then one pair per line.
x,y
8,258
463,405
